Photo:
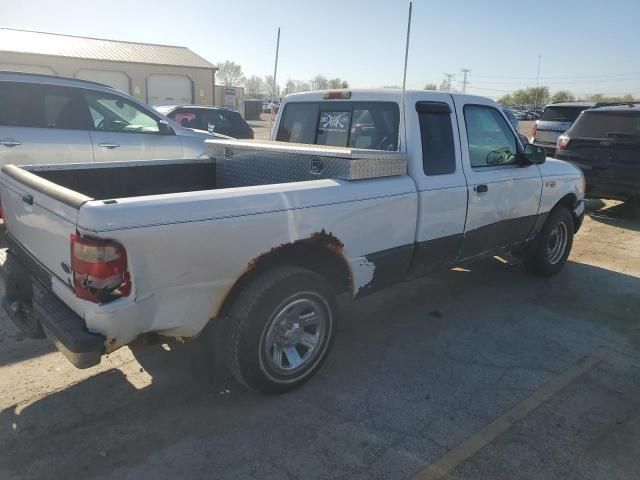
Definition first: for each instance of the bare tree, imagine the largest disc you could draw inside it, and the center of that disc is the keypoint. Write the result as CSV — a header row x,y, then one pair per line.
x,y
430,86
319,83
254,87
230,74
338,83
272,89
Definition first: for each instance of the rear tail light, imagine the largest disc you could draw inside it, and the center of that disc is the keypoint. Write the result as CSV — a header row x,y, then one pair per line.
x,y
562,142
534,130
99,270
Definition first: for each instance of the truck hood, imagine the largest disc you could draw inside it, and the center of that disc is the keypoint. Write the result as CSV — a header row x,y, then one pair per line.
x,y
553,167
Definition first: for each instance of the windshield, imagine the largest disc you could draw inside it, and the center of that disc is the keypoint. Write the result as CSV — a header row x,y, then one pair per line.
x,y
368,125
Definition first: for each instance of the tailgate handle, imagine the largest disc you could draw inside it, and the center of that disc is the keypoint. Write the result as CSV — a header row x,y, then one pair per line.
x,y
28,199
108,145
10,142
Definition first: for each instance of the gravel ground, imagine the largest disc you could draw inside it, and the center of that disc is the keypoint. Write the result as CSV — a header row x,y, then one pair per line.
x,y
415,371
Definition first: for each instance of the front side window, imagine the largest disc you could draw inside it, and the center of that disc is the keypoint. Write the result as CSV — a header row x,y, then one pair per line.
x,y
368,125
185,118
436,133
110,113
491,141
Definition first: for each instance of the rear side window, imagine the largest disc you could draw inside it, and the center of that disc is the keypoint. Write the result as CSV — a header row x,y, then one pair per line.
x,y
368,125
17,102
607,124
561,114
436,132
40,106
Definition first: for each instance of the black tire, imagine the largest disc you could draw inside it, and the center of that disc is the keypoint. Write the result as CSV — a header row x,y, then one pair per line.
x,y
542,258
259,316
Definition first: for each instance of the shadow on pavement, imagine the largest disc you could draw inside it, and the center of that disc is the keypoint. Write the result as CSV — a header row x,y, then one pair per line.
x,y
623,215
414,371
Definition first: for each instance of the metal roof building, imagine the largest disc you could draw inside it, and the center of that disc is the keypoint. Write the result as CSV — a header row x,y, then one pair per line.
x,y
156,74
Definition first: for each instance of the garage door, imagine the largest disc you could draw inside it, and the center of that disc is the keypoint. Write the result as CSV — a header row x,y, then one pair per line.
x,y
117,80
12,67
169,90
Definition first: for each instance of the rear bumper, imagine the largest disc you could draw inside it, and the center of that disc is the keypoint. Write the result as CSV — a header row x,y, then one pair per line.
x,y
38,312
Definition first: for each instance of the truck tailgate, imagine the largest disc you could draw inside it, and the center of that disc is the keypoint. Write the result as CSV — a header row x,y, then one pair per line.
x,y
41,217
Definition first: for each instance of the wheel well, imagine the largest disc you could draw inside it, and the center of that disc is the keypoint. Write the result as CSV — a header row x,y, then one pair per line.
x,y
569,202
321,253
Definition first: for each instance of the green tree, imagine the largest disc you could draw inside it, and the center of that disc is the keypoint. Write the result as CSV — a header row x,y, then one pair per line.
x,y
506,100
230,74
430,86
563,96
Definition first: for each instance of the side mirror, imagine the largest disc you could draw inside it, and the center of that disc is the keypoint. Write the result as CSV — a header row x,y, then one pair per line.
x,y
534,154
164,128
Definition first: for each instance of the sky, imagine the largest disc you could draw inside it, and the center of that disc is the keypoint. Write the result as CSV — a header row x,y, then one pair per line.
x,y
585,46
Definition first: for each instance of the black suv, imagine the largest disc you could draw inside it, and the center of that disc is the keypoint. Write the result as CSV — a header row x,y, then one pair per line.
x,y
212,119
605,143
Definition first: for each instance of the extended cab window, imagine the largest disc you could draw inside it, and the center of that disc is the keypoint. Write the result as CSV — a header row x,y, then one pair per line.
x,y
436,132
491,141
369,125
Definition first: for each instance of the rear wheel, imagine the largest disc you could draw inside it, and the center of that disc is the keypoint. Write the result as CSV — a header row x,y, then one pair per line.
x,y
552,246
280,329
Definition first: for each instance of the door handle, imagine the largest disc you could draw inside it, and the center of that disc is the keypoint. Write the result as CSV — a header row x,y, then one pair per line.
x,y
10,142
108,145
482,188
28,199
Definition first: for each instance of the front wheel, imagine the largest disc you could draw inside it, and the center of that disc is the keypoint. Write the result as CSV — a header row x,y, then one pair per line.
x,y
552,246
281,328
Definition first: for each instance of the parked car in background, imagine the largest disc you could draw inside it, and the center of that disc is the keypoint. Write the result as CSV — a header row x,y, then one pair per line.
x,y
219,120
266,107
513,120
51,119
605,143
555,120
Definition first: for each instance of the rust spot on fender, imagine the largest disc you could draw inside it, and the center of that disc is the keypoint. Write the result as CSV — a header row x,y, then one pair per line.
x,y
321,239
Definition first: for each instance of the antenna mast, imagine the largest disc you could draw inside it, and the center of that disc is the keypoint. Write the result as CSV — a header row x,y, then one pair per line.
x,y
404,75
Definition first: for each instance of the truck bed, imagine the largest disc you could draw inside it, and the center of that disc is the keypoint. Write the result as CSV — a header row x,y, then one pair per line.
x,y
233,163
133,179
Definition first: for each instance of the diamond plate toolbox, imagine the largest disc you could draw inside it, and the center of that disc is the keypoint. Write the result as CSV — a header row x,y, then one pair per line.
x,y
256,162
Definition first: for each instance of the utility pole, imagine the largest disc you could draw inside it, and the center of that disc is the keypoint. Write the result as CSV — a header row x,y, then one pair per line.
x,y
465,82
535,106
446,83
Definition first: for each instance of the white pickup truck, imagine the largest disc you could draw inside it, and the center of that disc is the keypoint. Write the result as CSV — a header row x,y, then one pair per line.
x,y
360,190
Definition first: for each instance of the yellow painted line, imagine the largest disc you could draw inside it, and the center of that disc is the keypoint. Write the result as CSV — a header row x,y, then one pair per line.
x,y
450,460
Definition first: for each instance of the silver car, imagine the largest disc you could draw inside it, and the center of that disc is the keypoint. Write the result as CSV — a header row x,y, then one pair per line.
x,y
556,119
50,119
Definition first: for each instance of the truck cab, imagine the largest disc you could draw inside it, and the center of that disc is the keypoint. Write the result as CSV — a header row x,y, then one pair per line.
x,y
476,189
